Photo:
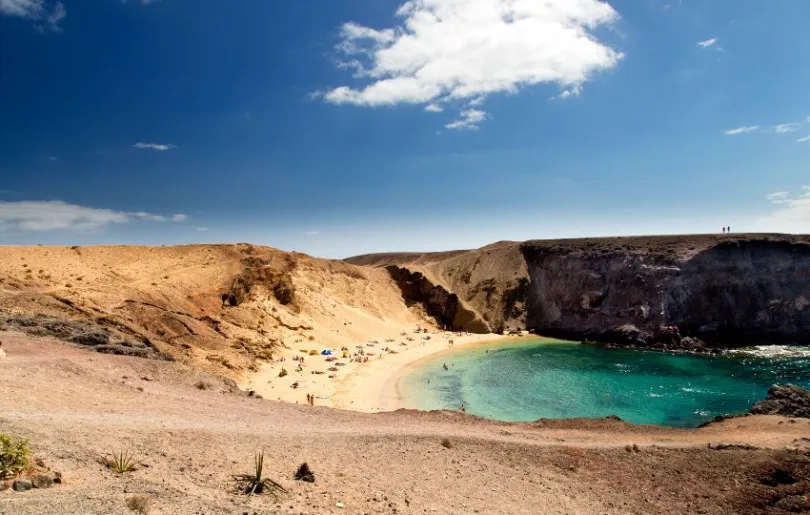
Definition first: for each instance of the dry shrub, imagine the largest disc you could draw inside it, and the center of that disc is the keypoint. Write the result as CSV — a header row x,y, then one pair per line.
x,y
140,504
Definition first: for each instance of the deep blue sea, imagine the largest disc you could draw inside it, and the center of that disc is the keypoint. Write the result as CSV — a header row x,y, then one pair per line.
x,y
541,378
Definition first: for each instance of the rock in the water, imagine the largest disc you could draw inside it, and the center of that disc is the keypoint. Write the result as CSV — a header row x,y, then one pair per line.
x,y
22,485
787,400
42,481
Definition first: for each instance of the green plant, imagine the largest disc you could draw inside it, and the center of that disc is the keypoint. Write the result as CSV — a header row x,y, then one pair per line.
x,y
121,462
14,456
283,372
256,483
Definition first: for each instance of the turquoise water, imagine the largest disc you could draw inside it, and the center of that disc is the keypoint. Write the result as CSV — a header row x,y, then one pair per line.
x,y
525,381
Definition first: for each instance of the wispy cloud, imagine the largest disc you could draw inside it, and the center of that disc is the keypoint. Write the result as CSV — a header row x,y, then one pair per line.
x,y
573,91
456,50
707,43
778,197
803,140
434,108
155,146
202,229
40,11
791,216
784,128
742,130
56,215
312,233
469,120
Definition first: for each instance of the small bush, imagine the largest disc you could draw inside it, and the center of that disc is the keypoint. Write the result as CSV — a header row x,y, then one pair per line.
x,y
311,338
122,462
283,372
256,483
140,504
304,473
202,385
14,456
446,443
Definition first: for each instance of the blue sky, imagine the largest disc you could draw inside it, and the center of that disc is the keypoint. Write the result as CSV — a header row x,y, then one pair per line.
x,y
343,127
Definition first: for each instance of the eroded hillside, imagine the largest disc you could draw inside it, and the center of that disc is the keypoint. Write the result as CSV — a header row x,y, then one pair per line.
x,y
665,291
224,308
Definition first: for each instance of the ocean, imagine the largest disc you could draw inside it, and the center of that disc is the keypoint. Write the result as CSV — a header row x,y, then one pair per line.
x,y
529,379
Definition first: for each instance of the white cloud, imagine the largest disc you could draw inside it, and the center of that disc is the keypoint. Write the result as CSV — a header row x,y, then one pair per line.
x,y
779,197
783,128
202,229
707,43
434,108
312,233
792,215
37,10
803,140
742,130
469,120
155,146
57,215
574,91
445,50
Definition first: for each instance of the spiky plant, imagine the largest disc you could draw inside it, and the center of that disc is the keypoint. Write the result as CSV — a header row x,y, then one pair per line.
x,y
256,483
120,462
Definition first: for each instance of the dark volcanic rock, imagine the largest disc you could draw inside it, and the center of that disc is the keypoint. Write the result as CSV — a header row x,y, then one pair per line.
x,y
101,335
787,400
671,292
439,303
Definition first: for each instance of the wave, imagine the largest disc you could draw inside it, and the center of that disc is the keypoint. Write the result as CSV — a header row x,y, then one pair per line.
x,y
774,351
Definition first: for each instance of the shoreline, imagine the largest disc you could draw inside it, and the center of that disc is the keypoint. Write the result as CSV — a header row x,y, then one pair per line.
x,y
391,397
376,388
367,386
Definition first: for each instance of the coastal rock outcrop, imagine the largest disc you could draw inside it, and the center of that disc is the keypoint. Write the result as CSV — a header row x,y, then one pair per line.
x,y
786,400
671,292
692,293
439,303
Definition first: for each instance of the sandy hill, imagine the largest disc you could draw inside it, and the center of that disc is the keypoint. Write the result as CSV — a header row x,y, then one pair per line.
x,y
224,308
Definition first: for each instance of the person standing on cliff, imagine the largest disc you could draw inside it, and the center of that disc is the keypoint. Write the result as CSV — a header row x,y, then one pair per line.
x,y
724,230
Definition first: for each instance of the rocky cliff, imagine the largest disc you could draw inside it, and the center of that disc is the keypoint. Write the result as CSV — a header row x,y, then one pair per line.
x,y
666,292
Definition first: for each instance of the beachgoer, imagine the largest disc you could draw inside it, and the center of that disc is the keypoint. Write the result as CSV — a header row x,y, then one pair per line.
x,y
445,366
724,230
462,407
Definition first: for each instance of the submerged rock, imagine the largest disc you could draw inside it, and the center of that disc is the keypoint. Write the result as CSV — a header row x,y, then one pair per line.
x,y
787,400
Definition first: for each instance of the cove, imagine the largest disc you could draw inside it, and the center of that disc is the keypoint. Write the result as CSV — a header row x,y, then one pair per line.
x,y
542,378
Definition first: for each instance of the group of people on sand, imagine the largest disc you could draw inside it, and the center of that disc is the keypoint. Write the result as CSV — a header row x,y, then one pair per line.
x,y
311,399
727,229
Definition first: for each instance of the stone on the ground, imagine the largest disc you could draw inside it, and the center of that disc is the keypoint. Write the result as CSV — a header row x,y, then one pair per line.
x,y
22,485
42,481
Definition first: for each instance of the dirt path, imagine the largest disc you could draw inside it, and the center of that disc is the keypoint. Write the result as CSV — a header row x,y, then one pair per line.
x,y
77,406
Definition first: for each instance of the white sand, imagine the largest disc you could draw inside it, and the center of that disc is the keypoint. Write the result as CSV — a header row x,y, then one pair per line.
x,y
368,386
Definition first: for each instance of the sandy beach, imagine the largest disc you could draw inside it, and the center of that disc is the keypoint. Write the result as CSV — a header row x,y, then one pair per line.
x,y
364,382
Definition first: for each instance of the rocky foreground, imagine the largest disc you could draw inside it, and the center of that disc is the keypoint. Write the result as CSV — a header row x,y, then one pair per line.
x,y
190,432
